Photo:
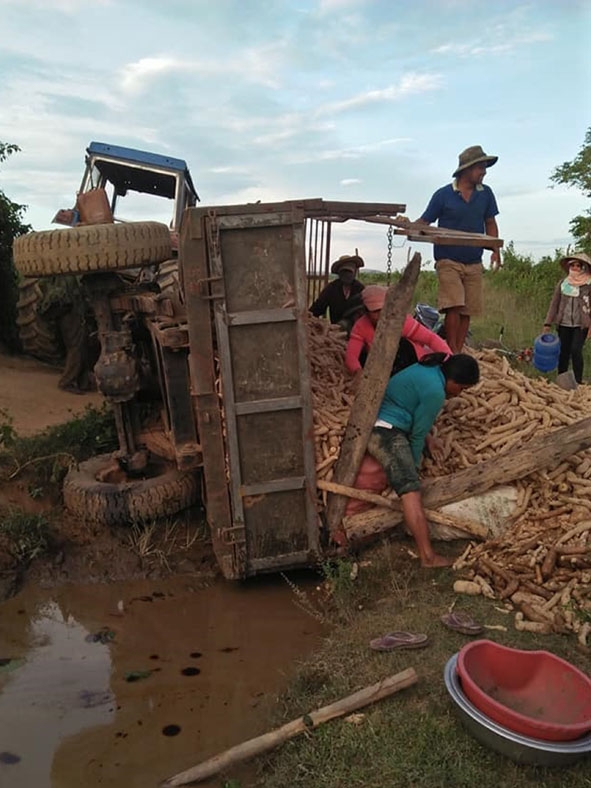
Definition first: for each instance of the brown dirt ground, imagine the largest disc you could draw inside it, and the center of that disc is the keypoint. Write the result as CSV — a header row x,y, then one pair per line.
x,y
83,553
29,393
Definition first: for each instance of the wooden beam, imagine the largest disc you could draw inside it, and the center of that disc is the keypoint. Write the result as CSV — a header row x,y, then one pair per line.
x,y
376,374
469,527
544,451
268,741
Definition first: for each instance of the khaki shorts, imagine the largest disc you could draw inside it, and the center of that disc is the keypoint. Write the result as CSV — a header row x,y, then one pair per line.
x,y
460,285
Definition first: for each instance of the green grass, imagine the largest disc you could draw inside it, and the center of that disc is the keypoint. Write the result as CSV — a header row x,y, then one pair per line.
x,y
414,738
47,456
24,536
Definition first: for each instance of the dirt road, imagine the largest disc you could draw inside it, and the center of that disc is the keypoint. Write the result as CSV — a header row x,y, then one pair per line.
x,y
30,396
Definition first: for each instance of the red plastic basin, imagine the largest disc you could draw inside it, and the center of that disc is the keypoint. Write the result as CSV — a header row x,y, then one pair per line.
x,y
534,693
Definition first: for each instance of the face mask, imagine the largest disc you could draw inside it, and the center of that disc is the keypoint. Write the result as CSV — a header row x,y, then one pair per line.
x,y
346,277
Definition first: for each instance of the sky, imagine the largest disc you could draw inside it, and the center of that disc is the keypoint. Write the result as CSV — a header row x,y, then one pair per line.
x,y
355,100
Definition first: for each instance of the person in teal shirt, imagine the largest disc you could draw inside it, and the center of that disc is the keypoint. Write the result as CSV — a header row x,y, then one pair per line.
x,y
411,403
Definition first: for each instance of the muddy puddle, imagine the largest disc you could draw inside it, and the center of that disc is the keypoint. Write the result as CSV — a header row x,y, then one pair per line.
x,y
127,684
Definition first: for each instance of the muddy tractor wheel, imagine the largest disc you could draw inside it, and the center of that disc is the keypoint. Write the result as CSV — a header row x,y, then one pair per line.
x,y
38,336
92,248
107,503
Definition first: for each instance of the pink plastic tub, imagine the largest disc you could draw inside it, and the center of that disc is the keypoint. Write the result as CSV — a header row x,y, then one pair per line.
x,y
534,693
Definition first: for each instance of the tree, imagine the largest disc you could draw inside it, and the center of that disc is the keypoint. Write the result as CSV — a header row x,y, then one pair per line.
x,y
578,173
11,225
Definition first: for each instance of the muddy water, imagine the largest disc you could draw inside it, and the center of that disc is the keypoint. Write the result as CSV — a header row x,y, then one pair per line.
x,y
103,673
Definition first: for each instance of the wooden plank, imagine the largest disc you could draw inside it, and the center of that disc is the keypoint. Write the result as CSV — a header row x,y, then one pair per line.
x,y
266,405
193,258
276,485
217,263
424,233
283,561
268,741
544,451
482,242
261,316
311,207
376,374
355,209
301,300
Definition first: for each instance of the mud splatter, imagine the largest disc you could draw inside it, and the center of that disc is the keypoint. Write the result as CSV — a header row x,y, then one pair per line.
x,y
190,671
9,758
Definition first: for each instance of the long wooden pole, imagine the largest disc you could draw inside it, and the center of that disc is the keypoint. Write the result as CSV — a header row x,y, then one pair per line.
x,y
269,741
469,527
544,451
376,374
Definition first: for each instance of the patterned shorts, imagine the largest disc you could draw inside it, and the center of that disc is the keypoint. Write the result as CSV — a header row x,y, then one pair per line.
x,y
390,447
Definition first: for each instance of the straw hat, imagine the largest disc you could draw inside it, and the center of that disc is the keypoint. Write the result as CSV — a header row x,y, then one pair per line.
x,y
580,256
471,156
350,261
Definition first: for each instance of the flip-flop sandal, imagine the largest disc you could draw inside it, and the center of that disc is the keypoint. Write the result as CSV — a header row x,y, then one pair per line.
x,y
458,621
399,640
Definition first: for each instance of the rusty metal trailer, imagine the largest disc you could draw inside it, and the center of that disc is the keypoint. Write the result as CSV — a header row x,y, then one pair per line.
x,y
246,271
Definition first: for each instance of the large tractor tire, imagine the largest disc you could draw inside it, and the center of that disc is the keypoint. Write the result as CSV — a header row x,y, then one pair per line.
x,y
38,336
136,500
92,248
167,276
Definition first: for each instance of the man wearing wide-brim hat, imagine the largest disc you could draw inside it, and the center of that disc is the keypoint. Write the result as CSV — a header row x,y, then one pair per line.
x,y
464,204
338,295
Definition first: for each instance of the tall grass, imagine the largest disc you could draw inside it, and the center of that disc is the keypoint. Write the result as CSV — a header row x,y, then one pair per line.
x,y
516,300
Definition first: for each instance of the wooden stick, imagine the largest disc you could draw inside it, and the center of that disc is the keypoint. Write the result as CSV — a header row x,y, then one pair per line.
x,y
545,451
268,741
374,380
468,526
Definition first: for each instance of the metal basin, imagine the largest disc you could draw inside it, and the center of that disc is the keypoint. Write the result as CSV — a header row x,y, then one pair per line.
x,y
521,749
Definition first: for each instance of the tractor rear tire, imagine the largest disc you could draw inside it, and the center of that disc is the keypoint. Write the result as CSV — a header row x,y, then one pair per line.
x,y
39,337
92,248
136,500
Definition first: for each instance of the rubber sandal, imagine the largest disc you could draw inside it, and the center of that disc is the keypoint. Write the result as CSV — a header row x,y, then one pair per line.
x,y
399,640
458,621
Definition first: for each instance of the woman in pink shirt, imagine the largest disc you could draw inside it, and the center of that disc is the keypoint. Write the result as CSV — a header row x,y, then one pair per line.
x,y
419,340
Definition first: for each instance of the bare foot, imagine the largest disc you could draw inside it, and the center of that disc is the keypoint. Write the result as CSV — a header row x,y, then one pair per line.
x,y
437,561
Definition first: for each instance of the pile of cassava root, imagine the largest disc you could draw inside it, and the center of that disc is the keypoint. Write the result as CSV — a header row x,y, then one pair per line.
x,y
332,394
541,566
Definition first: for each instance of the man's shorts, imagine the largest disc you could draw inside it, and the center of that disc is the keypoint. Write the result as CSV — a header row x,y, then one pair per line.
x,y
460,285
390,447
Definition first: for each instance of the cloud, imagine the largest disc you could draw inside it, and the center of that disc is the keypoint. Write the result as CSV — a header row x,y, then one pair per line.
x,y
410,84
502,47
64,6
136,76
228,170
356,152
328,6
350,181
290,126
255,65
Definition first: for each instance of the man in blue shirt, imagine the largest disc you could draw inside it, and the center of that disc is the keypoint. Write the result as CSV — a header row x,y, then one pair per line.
x,y
465,204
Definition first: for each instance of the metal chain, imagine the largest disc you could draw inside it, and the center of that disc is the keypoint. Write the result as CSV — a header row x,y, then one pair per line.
x,y
390,235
